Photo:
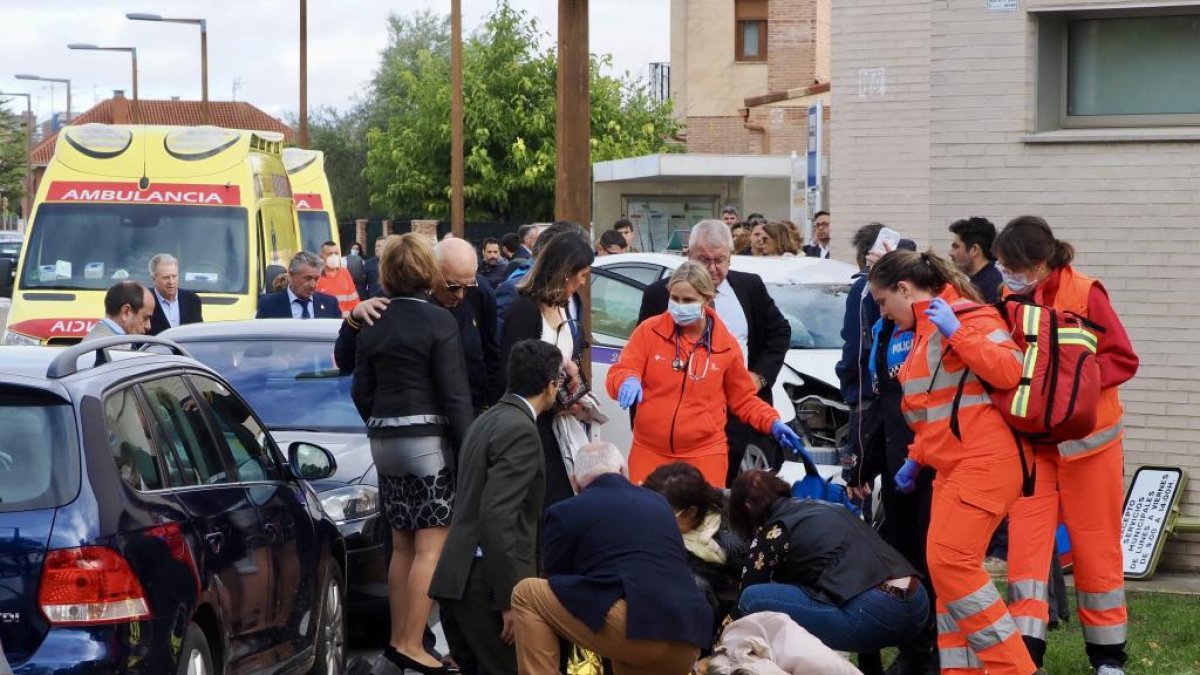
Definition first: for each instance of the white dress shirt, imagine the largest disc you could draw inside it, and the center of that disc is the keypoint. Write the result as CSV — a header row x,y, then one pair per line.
x,y
170,308
297,309
734,317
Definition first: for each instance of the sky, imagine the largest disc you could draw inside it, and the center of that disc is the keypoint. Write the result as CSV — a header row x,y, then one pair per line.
x,y
255,44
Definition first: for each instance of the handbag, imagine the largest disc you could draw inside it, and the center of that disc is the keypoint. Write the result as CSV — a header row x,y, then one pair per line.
x,y
584,662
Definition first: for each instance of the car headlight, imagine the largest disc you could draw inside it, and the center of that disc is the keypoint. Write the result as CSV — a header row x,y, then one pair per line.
x,y
351,502
18,340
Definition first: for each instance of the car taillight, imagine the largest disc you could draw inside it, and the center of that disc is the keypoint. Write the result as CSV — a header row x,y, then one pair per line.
x,y
90,585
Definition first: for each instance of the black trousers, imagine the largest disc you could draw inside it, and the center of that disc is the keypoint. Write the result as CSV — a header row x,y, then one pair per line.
x,y
473,629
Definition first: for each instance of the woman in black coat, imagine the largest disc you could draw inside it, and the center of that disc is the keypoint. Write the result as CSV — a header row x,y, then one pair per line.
x,y
411,388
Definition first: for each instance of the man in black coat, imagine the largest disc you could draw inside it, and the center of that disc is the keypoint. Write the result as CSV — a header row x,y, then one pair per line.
x,y
173,305
492,543
617,579
300,300
746,309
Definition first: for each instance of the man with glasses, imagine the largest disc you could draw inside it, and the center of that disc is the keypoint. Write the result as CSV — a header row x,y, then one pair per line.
x,y
747,310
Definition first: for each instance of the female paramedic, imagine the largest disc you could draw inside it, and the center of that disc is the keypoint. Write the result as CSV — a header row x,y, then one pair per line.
x,y
1079,479
959,433
684,369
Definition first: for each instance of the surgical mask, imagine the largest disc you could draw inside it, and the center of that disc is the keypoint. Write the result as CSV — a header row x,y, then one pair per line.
x,y
685,313
1018,283
334,261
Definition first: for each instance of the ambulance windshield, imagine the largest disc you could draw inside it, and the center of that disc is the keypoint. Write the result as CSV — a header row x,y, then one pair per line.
x,y
91,246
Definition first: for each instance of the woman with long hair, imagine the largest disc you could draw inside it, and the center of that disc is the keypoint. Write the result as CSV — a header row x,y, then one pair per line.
x,y
1079,480
543,311
773,239
961,350
411,388
685,370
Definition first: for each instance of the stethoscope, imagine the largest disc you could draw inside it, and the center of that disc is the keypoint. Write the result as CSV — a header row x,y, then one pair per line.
x,y
679,364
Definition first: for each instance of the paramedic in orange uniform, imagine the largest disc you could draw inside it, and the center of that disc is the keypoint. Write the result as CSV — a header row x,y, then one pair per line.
x,y
1081,479
336,280
684,369
975,454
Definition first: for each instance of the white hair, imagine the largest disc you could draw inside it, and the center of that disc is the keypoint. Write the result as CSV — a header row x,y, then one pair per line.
x,y
711,233
596,459
162,259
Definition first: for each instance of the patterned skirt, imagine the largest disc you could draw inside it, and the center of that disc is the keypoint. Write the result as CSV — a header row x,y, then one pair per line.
x,y
416,486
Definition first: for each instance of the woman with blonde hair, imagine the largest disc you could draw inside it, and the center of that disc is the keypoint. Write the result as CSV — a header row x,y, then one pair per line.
x,y
773,239
411,388
685,369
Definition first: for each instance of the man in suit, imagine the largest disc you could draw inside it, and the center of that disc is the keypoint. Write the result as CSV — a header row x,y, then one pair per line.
x,y
617,579
128,306
493,537
471,300
371,268
300,300
819,246
746,309
173,305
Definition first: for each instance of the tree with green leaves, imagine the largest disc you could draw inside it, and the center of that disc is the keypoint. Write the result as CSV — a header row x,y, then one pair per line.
x,y
12,159
509,117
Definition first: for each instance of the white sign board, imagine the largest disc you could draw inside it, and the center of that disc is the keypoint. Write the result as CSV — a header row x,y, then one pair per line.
x,y
1002,5
872,82
1147,510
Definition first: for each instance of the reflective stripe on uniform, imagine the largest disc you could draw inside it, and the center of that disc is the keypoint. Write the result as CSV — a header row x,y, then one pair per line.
x,y
1101,601
1031,627
958,657
945,624
1096,440
974,603
999,336
940,412
1077,336
350,297
1027,589
1104,635
990,636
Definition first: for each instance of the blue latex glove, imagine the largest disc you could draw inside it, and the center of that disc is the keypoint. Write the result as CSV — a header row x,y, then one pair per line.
x,y
629,393
906,477
786,436
942,316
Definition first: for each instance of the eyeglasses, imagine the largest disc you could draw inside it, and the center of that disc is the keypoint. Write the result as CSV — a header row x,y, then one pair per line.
x,y
711,262
461,288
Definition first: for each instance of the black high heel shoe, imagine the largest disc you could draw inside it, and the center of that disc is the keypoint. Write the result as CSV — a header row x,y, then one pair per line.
x,y
404,663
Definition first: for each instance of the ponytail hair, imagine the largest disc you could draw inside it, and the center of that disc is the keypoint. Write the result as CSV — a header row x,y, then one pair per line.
x,y
927,271
1027,241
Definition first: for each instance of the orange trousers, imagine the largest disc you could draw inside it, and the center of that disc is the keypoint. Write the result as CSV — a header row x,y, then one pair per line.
x,y
975,631
1089,493
643,461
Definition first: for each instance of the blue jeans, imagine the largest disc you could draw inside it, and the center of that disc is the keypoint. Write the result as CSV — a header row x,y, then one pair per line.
x,y
867,622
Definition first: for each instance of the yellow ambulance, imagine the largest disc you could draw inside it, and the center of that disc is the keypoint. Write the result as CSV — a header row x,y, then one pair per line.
x,y
114,196
314,201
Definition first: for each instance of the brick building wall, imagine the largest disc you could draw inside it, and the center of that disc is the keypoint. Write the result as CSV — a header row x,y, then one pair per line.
x,y
718,136
793,42
1129,207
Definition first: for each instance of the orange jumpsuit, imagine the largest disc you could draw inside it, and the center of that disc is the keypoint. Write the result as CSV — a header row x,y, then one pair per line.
x,y
978,479
341,286
683,412
1082,480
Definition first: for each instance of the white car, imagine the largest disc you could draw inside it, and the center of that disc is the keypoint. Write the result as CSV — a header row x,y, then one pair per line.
x,y
810,292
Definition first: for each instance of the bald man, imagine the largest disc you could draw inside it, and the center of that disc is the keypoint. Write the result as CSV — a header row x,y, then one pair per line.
x,y
471,300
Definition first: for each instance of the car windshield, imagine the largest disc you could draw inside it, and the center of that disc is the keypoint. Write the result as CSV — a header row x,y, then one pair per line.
x,y
815,313
291,384
39,459
87,246
314,230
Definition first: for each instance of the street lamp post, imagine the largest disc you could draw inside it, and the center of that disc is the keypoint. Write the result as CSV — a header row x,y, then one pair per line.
x,y
27,76
133,54
142,16
303,73
27,198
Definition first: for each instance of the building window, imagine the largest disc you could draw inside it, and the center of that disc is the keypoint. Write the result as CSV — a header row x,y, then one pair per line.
x,y
1118,69
751,30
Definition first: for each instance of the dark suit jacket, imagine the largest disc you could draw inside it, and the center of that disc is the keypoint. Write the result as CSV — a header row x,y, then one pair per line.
x,y
814,251
371,278
189,312
615,540
277,306
498,505
769,335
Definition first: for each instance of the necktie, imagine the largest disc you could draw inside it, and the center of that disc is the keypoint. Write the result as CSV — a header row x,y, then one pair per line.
x,y
304,314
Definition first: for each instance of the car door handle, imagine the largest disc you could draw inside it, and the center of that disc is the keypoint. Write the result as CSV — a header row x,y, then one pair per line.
x,y
215,540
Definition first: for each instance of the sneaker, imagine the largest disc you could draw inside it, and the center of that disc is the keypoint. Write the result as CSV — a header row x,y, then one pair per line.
x,y
1110,670
996,567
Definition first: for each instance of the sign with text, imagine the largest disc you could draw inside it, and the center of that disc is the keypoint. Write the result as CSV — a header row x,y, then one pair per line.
x,y
308,201
1002,5
1150,505
129,193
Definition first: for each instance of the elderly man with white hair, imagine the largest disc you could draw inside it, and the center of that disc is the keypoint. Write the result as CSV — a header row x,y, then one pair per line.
x,y
623,592
174,306
747,310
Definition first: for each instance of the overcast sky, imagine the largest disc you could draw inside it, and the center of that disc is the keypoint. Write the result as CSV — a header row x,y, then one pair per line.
x,y
255,43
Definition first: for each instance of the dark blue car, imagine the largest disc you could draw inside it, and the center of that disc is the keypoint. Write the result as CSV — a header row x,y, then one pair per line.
x,y
149,524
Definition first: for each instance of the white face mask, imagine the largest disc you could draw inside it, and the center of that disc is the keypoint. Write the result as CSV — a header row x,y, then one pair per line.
x,y
333,261
1018,283
685,313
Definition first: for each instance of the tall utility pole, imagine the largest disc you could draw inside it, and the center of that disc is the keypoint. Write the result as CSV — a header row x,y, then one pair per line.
x,y
303,74
457,176
572,134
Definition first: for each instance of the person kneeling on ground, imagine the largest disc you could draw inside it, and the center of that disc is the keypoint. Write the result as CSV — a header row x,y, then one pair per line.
x,y
619,590
824,567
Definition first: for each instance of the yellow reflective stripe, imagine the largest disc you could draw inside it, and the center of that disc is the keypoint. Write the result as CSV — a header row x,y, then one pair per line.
x,y
1033,317
1020,403
1077,336
1096,440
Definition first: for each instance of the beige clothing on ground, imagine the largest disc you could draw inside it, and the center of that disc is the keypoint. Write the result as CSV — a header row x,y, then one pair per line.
x,y
770,643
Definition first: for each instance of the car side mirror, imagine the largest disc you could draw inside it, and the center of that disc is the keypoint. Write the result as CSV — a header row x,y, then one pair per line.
x,y
310,462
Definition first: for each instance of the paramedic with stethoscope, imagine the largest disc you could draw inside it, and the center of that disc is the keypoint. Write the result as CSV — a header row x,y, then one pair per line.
x,y
685,369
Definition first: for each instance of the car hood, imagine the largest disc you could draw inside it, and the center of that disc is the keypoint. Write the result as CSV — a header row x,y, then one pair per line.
x,y
820,364
352,451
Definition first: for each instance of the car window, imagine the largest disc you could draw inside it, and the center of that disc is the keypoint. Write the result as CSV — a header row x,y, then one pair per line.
x,y
129,440
180,424
643,274
243,435
615,306
814,313
39,453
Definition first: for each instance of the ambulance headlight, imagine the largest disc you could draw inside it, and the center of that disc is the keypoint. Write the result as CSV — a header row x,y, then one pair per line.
x,y
195,143
12,339
101,141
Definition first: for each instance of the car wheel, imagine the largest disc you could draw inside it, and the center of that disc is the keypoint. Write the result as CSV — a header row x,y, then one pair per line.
x,y
331,628
195,658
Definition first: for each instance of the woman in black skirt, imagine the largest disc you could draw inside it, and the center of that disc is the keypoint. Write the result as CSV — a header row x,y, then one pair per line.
x,y
411,388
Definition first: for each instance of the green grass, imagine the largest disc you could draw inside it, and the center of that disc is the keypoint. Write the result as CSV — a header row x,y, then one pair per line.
x,y
1164,637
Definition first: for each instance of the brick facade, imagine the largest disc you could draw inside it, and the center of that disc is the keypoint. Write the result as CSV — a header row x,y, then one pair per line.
x,y
792,44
